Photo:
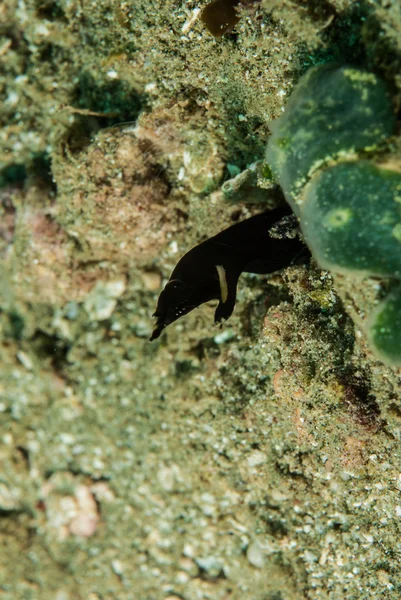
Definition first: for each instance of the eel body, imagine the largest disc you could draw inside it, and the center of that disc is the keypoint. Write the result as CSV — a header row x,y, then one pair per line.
x,y
211,270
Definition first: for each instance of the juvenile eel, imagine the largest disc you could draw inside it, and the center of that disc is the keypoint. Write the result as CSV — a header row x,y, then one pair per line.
x,y
210,271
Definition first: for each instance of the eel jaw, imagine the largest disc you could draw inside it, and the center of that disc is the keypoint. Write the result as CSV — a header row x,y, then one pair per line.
x,y
156,332
162,322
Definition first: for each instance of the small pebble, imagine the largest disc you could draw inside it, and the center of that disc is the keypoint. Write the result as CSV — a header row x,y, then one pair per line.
x,y
255,555
210,565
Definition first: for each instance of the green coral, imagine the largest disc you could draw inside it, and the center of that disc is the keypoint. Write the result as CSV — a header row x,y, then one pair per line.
x,y
349,208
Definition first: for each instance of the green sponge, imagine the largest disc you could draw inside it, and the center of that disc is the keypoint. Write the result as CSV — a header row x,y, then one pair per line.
x,y
333,111
349,208
384,328
351,218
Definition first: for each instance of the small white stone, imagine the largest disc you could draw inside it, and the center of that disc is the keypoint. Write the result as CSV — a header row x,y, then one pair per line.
x,y
98,464
255,555
67,438
21,79
224,336
83,525
188,551
168,477
41,29
112,74
102,299
25,360
173,247
310,557
182,577
117,567
9,499
12,99
256,458
211,565
102,492
278,496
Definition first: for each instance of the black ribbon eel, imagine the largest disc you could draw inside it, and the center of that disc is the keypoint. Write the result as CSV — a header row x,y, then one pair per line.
x,y
210,271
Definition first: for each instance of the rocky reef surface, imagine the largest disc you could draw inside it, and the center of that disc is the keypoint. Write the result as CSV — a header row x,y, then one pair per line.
x,y
261,461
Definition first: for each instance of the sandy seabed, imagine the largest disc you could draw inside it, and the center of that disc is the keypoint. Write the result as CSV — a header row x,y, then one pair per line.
x,y
259,462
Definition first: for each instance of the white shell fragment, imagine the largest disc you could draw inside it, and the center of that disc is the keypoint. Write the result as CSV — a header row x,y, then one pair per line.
x,y
102,299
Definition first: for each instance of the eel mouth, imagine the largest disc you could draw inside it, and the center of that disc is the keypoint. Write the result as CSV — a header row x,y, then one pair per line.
x,y
158,328
156,332
162,321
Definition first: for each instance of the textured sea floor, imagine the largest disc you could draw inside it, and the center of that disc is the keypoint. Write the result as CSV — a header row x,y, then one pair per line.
x,y
259,462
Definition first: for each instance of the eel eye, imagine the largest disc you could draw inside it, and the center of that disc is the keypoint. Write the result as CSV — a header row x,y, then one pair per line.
x,y
176,284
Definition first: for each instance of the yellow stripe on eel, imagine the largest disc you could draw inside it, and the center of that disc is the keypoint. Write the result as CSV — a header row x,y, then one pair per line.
x,y
221,272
